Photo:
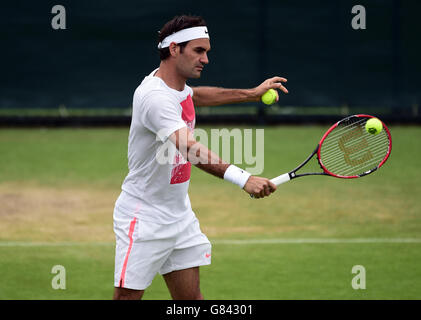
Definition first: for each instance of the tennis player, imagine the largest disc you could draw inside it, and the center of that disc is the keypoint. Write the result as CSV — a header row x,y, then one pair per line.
x,y
156,229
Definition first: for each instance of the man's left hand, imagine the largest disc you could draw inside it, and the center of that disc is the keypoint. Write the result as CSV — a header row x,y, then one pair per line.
x,y
272,83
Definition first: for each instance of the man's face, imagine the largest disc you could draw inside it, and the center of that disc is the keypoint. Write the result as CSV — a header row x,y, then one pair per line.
x,y
191,61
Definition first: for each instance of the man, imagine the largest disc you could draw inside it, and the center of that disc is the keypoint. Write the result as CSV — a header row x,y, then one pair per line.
x,y
156,229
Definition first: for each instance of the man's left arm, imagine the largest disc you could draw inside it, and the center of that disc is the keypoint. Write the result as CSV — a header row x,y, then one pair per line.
x,y
215,96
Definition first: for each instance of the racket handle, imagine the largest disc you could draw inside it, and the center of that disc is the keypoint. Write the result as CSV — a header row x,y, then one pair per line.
x,y
281,179
278,180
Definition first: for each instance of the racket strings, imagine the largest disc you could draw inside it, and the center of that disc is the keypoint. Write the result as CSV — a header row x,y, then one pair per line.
x,y
344,128
350,171
375,148
355,163
339,132
376,145
333,160
349,150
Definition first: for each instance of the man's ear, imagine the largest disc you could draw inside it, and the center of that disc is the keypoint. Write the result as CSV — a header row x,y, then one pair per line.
x,y
174,49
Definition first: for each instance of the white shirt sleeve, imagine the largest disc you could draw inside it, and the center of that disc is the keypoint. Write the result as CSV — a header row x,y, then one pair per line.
x,y
161,115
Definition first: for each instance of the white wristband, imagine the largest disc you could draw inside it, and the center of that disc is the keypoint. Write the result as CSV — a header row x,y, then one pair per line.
x,y
236,175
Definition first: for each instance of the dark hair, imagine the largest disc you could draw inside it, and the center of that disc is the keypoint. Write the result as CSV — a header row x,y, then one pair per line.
x,y
176,24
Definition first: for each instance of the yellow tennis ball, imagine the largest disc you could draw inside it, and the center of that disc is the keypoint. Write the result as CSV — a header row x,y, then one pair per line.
x,y
269,97
374,126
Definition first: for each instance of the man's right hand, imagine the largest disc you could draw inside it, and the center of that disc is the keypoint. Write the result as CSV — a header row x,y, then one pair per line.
x,y
259,187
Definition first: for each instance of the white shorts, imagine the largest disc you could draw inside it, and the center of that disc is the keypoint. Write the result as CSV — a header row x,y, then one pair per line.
x,y
144,249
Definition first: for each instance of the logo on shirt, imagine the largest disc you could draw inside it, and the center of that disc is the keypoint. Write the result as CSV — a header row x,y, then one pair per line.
x,y
182,168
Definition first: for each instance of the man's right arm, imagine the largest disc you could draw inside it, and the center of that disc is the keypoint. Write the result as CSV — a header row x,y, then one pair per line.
x,y
208,161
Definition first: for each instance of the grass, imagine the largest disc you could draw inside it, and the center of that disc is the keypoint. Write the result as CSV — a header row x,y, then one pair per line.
x,y
58,187
311,271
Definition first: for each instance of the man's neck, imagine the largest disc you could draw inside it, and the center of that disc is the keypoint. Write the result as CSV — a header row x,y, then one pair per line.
x,y
169,75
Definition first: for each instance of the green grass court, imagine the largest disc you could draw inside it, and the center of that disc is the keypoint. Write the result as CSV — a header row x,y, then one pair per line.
x,y
58,187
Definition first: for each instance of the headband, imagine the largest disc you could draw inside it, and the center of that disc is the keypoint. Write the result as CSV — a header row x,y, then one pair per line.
x,y
184,35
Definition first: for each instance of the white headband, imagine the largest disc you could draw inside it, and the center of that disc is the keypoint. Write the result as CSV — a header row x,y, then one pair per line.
x,y
184,35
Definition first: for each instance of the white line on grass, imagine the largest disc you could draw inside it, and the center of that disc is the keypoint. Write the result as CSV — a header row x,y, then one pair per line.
x,y
51,244
228,242
319,240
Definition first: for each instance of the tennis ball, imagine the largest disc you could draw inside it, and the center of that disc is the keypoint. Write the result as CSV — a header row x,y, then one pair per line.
x,y
269,97
374,126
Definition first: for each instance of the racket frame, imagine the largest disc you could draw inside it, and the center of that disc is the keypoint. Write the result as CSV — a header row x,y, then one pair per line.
x,y
292,174
385,128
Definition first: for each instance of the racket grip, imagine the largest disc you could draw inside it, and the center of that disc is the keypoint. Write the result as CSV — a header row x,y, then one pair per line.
x,y
281,179
278,180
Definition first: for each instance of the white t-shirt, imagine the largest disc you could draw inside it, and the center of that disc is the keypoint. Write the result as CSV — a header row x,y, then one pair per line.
x,y
155,188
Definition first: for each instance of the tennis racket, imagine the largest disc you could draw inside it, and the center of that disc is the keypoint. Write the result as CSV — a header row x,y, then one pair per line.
x,y
347,151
